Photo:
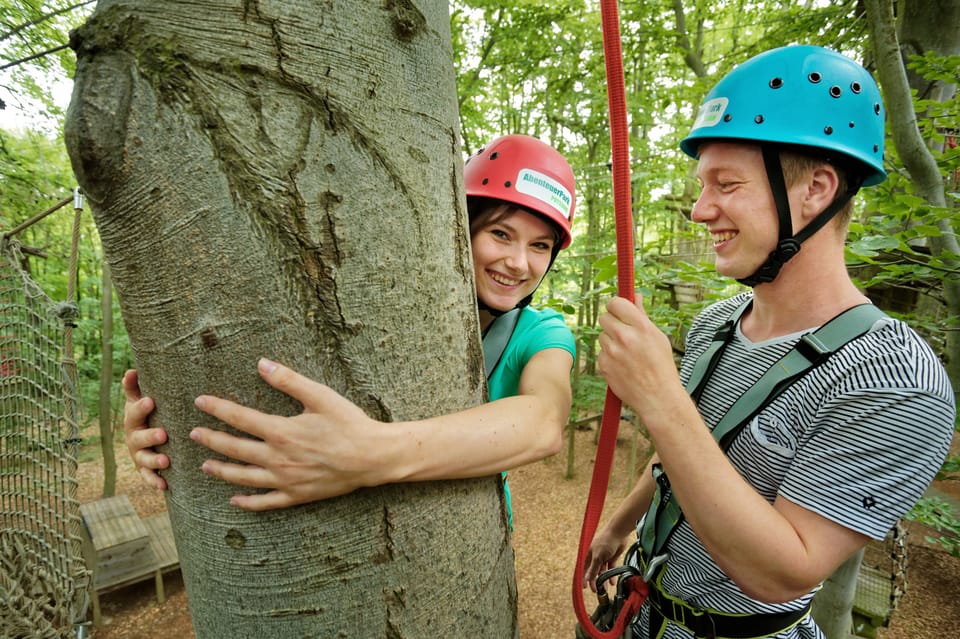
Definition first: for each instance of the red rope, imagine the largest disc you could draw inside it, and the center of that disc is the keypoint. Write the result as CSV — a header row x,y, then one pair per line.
x,y
623,205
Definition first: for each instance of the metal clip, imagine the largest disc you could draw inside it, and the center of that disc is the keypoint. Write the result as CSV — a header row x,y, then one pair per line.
x,y
653,564
604,577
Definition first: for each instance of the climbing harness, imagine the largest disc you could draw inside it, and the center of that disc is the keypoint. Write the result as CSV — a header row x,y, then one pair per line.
x,y
631,590
812,349
664,515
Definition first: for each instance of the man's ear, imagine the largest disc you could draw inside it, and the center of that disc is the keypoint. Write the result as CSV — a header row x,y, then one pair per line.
x,y
822,184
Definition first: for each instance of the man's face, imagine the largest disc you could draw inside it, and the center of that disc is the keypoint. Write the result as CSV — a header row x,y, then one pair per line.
x,y
736,206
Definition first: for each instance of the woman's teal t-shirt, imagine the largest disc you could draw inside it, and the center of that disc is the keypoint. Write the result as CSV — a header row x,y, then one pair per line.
x,y
536,330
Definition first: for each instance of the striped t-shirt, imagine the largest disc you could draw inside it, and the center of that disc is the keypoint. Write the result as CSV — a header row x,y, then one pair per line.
x,y
857,440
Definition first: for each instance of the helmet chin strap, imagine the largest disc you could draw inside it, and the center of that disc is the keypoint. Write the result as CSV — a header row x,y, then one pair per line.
x,y
788,244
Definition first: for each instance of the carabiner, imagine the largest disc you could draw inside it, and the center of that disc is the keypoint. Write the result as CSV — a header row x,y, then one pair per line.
x,y
610,574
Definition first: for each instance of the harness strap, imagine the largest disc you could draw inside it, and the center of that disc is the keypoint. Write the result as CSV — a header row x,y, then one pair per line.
x,y
707,623
664,514
710,624
496,338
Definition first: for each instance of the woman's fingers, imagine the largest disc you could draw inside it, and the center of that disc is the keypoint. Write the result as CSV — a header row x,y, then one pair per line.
x,y
241,449
246,475
135,414
131,385
152,478
314,396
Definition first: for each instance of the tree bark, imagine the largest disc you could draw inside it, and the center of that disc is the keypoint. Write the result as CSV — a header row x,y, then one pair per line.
x,y
833,605
283,179
925,175
106,384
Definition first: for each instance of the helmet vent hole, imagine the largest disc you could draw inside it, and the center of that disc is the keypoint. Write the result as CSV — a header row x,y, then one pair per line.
x,y
508,184
727,117
852,124
876,147
776,83
486,181
855,87
758,119
876,108
836,91
828,129
814,77
494,155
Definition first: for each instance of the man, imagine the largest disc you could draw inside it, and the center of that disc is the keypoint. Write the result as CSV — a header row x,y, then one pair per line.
x,y
782,142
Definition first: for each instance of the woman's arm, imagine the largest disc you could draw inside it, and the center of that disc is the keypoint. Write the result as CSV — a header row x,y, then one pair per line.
x,y
333,447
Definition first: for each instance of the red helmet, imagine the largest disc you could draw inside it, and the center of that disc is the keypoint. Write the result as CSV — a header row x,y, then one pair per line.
x,y
522,170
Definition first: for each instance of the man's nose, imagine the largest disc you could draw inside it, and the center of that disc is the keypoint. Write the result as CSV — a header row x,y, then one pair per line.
x,y
703,208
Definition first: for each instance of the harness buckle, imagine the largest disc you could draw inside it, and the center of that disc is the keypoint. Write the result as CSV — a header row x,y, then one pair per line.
x,y
653,564
703,631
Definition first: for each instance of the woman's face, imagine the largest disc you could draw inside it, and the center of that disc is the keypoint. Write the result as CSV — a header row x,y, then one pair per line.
x,y
511,254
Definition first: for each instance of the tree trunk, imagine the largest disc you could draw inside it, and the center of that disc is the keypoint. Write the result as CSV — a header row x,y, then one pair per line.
x,y
930,27
283,179
833,605
106,384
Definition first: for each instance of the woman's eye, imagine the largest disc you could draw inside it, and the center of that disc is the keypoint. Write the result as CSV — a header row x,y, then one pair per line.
x,y
543,246
500,234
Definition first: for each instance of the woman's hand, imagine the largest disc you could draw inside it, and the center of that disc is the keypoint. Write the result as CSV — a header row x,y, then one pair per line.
x,y
139,438
330,449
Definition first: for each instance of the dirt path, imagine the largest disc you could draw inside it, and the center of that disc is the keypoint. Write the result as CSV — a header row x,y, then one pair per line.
x,y
548,514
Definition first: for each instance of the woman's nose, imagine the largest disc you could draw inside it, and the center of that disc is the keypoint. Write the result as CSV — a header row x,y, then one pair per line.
x,y
517,259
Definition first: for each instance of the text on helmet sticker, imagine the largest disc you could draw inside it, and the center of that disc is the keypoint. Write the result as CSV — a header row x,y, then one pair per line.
x,y
711,112
546,189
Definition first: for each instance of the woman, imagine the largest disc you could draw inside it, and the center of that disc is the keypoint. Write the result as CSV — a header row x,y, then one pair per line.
x,y
520,196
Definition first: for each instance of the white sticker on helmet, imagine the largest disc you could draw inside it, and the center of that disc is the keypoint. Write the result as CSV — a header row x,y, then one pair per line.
x,y
546,189
711,113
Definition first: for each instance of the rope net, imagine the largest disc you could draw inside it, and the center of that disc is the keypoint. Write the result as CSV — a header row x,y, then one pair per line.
x,y
43,578
883,574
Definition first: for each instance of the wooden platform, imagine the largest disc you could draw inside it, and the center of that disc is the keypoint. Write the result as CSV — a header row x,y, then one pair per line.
x,y
121,549
871,603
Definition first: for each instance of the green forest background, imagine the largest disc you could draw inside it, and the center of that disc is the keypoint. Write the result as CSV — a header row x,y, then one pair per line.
x,y
538,68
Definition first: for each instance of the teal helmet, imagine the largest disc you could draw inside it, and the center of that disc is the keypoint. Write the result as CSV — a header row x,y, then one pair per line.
x,y
799,95
808,99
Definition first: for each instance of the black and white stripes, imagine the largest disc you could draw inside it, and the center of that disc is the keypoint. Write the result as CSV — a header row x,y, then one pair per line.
x,y
857,440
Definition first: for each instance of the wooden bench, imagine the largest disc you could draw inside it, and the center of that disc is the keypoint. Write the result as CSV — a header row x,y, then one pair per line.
x,y
121,549
164,550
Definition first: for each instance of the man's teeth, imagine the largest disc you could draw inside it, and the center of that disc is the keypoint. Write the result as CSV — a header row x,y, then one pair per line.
x,y
723,236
